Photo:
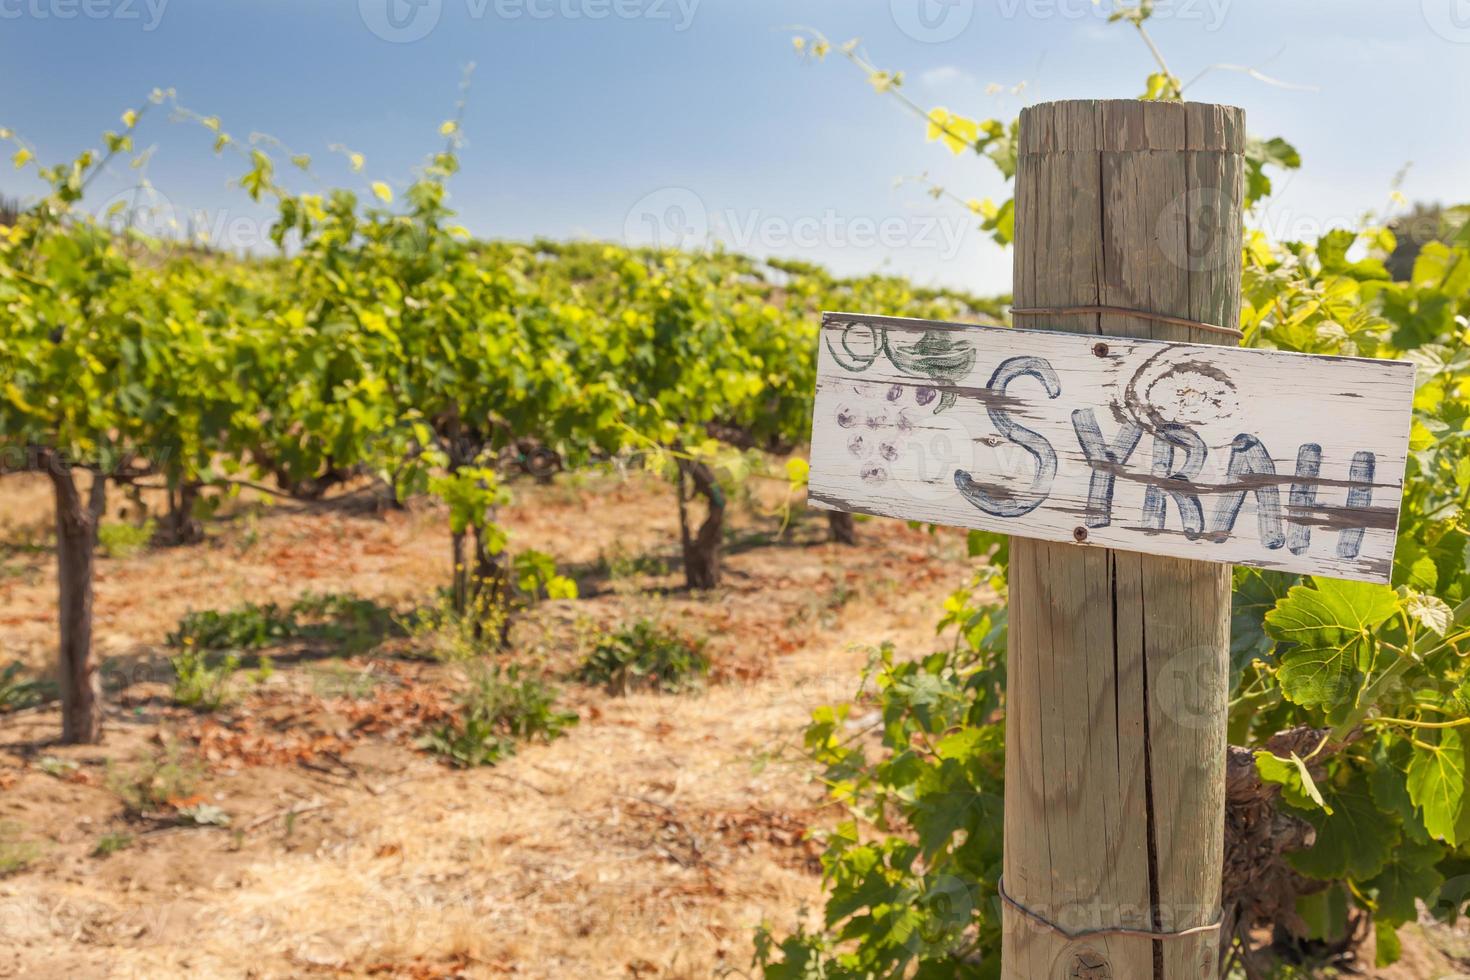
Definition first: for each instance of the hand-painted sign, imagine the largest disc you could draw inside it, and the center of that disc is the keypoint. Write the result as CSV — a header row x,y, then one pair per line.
x,y
1255,457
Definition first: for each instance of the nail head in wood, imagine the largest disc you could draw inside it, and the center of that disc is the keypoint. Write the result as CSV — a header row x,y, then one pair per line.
x,y
1100,349
1080,533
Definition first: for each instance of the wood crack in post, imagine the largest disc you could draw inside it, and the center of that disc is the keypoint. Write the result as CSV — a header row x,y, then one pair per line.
x,y
1150,816
1051,645
1064,852
1101,260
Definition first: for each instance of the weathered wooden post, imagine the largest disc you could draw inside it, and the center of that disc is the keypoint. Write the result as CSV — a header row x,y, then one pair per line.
x,y
1131,465
1115,781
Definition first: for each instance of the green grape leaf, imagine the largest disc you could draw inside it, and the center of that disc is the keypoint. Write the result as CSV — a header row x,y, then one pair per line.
x,y
1388,781
1429,611
1354,840
561,587
1134,14
1401,883
1437,785
1332,249
866,884
1258,153
1387,948
1324,912
1423,574
1160,85
1256,592
798,471
1297,786
1331,624
949,804
1275,151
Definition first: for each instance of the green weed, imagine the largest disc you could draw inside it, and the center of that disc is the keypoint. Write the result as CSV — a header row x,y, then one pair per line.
x,y
823,609
18,691
124,540
645,655
202,680
15,854
155,783
109,844
338,680
536,577
449,636
622,567
339,620
246,627
344,621
57,768
499,710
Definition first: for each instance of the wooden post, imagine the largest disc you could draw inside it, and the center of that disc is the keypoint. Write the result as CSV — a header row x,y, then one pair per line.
x,y
1116,698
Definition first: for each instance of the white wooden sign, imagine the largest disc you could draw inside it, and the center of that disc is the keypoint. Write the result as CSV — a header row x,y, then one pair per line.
x,y
1265,458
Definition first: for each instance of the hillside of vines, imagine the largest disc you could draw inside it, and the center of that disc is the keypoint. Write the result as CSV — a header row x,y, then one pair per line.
x,y
385,341
304,551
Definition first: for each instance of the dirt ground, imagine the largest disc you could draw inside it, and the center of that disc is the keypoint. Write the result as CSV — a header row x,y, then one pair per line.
x,y
648,842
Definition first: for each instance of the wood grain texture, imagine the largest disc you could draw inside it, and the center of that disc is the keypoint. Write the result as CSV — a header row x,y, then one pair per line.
x,y
906,415
1117,660
1114,780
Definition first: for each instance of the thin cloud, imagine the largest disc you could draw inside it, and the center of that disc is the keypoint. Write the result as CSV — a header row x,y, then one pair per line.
x,y
946,75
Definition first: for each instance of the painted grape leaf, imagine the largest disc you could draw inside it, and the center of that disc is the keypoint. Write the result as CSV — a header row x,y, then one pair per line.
x,y
1330,624
1437,785
1353,841
937,355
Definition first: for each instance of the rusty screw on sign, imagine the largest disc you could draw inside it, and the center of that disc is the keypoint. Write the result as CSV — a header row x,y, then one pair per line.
x,y
1080,534
1100,349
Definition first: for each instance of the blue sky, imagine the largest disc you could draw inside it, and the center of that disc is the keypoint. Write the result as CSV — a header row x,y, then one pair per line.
x,y
616,118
